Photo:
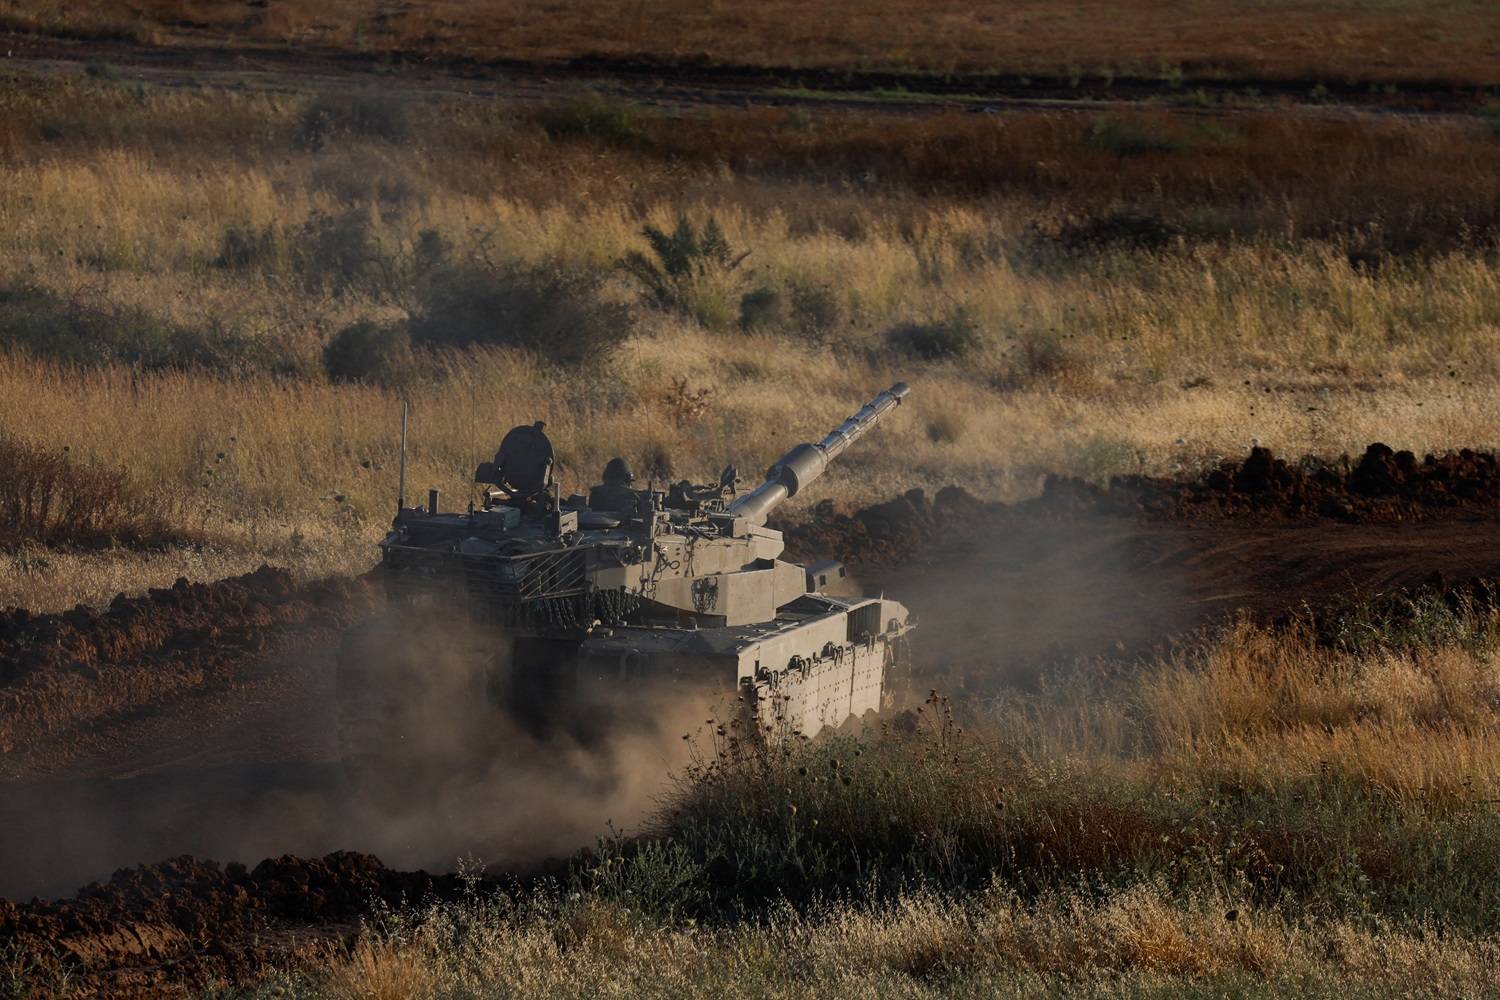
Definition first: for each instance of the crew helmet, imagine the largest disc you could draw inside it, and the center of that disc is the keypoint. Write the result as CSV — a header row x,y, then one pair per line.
x,y
618,471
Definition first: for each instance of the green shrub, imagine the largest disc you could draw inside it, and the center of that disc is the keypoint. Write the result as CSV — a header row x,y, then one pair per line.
x,y
557,312
96,69
689,271
368,352
812,311
342,252
815,310
950,337
594,116
762,309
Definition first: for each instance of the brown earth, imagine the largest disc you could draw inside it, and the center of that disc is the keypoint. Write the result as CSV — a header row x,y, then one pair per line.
x,y
684,85
200,718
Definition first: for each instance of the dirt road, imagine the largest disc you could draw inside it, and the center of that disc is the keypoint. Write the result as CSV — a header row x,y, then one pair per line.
x,y
690,87
243,765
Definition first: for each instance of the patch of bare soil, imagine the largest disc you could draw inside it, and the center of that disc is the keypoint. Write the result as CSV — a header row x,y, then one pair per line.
x,y
693,83
1383,487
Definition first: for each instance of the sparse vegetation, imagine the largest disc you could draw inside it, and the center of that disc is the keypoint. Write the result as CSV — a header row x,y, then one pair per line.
x,y
49,499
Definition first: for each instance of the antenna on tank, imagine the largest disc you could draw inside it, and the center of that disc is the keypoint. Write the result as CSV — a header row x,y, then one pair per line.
x,y
401,488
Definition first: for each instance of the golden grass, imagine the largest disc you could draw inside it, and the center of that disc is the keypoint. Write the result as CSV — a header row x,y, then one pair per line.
x,y
1092,356
291,449
1254,710
1140,940
1359,40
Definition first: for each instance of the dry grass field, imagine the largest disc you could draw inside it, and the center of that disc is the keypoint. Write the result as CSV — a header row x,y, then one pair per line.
x,y
214,300
1379,42
227,294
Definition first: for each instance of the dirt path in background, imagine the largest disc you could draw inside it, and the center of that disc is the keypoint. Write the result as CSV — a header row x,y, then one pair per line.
x,y
200,719
688,87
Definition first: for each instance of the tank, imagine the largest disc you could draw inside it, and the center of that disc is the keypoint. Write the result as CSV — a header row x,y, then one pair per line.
x,y
535,613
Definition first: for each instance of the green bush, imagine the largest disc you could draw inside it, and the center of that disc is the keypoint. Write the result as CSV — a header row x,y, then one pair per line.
x,y
812,311
690,272
342,252
950,337
594,116
368,352
815,310
557,312
762,309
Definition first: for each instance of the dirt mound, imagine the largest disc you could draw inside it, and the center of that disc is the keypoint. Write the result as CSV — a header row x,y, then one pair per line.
x,y
881,535
184,921
59,671
1383,486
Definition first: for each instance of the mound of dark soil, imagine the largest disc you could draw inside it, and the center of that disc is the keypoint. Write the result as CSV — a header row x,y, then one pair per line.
x,y
184,921
1383,486
242,613
59,671
881,535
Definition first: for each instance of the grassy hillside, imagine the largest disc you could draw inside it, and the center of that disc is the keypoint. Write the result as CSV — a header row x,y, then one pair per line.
x,y
226,294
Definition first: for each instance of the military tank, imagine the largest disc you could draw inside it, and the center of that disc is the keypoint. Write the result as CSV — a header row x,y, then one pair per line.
x,y
535,611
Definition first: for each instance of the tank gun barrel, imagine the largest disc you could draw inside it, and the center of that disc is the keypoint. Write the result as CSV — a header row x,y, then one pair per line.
x,y
806,462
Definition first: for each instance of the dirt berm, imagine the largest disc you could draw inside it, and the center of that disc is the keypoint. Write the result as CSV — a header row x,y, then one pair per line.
x,y
63,672
1382,487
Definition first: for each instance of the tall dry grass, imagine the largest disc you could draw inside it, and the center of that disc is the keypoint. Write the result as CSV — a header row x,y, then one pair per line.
x,y
174,266
1141,942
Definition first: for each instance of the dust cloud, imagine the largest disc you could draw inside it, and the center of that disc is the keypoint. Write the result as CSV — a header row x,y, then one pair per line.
x,y
991,614
473,788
